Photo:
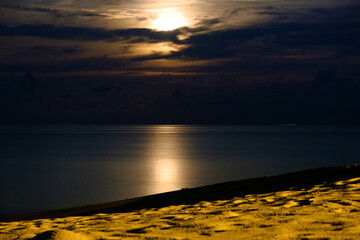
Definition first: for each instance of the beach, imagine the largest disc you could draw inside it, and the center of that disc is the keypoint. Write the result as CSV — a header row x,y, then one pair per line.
x,y
179,120
312,204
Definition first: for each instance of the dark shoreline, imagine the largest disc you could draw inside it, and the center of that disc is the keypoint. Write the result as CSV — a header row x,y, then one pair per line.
x,y
296,180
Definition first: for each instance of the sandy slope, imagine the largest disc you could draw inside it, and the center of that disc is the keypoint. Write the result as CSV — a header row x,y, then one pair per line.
x,y
326,211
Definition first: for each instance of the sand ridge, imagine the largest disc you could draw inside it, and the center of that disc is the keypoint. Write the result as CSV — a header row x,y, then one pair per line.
x,y
325,211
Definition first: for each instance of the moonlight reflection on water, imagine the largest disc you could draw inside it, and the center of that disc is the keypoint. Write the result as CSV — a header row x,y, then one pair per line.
x,y
166,156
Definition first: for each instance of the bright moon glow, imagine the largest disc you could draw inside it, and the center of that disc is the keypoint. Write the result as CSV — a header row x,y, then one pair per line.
x,y
169,19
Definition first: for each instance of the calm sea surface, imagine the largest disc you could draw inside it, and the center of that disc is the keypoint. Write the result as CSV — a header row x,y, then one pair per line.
x,y
49,167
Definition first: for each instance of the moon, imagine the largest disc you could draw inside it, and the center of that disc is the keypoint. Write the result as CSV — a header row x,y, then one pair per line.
x,y
169,19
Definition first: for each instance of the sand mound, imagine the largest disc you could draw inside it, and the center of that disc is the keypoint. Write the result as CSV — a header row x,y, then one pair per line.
x,y
325,211
328,210
60,235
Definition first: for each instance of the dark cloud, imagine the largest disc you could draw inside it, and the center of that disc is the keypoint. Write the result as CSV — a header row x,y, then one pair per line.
x,y
142,19
330,97
50,50
90,34
91,64
229,43
18,88
78,64
103,88
203,25
54,11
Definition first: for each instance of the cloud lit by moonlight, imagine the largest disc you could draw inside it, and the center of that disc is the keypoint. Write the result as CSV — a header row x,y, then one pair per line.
x,y
169,19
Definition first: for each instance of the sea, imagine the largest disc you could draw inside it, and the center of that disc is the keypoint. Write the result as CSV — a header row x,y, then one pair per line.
x,y
46,167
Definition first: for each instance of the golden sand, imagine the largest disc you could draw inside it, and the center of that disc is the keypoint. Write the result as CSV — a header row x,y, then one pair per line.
x,y
325,211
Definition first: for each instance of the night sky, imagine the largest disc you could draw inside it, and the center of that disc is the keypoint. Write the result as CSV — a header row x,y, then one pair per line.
x,y
179,62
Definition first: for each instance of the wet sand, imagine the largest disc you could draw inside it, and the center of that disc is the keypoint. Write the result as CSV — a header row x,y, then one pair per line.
x,y
319,203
